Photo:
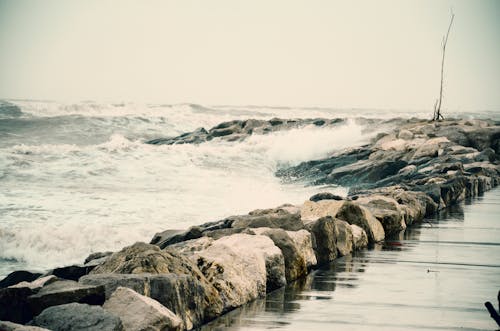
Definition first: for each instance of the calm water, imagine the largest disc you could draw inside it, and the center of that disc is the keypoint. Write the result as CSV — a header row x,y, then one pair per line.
x,y
437,276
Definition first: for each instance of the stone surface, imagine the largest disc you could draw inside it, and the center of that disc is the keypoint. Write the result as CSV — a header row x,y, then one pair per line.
x,y
241,266
295,264
14,305
140,313
359,237
303,241
137,282
9,326
37,283
96,256
78,317
145,258
18,276
355,214
324,240
73,272
65,291
343,235
285,217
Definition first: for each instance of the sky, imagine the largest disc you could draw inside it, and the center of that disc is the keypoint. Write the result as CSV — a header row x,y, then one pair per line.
x,y
346,54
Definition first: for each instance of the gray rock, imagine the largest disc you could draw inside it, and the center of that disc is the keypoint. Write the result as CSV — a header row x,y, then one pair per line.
x,y
14,306
359,237
9,326
137,282
37,284
285,217
65,291
324,240
344,238
96,256
140,313
18,276
78,317
325,196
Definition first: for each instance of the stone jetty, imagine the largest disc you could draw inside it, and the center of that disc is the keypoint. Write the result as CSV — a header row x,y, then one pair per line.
x,y
182,279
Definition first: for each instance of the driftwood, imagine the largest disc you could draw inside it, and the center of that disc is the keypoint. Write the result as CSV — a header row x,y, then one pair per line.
x,y
437,104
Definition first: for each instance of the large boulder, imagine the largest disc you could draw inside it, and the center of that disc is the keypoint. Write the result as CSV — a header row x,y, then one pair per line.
x,y
9,326
78,317
140,313
359,237
38,283
65,291
295,262
285,217
14,306
137,282
18,276
386,210
303,241
241,267
145,258
73,272
324,240
344,238
345,210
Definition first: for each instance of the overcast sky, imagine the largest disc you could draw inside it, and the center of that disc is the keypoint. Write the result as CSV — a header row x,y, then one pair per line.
x,y
371,54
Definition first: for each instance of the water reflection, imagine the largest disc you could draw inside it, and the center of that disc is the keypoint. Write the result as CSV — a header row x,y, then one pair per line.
x,y
435,275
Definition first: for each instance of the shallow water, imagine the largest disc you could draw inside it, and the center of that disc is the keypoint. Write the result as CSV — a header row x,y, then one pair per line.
x,y
436,276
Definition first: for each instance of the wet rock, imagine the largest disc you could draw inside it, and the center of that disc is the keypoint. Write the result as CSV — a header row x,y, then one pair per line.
x,y
325,196
144,258
140,313
303,241
14,306
9,326
65,291
285,217
37,284
18,276
347,211
386,210
324,240
137,282
295,262
241,266
97,256
73,272
76,317
344,238
359,237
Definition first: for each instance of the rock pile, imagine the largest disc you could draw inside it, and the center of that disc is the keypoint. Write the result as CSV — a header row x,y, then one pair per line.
x,y
184,278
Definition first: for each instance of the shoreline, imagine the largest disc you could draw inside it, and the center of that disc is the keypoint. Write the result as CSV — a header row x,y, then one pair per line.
x,y
199,274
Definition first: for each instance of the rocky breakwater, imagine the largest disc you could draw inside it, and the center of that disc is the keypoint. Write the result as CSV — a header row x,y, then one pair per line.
x,y
184,278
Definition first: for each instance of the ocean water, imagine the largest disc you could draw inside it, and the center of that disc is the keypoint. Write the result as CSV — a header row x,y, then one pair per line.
x,y
78,178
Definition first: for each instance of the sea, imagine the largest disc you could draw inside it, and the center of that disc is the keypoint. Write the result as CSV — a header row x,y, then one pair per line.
x,y
78,178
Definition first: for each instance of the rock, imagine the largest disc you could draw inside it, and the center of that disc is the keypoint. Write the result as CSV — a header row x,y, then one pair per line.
x,y
137,282
312,211
9,326
386,210
324,240
140,313
194,301
359,237
169,237
405,134
285,217
65,291
303,241
37,283
96,256
325,196
241,266
347,211
295,263
77,317
360,216
144,258
18,276
73,272
14,306
191,300
343,235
